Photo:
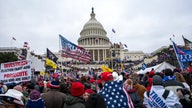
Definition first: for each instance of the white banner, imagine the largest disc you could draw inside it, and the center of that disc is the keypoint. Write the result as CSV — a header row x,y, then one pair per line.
x,y
18,71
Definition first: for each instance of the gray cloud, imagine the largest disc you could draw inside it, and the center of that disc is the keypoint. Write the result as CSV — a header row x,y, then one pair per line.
x,y
142,25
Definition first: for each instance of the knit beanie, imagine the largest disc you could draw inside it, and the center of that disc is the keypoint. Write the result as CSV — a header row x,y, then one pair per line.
x,y
54,84
34,95
157,80
90,91
77,89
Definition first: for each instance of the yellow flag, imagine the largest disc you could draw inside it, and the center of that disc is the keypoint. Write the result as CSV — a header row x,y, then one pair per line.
x,y
42,73
106,69
51,63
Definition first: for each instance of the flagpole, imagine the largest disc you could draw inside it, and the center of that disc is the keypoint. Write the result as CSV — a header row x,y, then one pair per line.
x,y
176,55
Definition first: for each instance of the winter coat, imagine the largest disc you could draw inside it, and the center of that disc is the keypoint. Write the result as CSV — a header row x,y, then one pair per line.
x,y
95,101
54,99
35,103
137,102
74,102
140,90
156,100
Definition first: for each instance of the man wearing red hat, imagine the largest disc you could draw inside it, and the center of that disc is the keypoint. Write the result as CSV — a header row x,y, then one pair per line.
x,y
75,100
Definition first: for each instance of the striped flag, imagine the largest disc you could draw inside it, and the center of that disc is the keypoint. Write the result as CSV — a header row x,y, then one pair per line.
x,y
71,50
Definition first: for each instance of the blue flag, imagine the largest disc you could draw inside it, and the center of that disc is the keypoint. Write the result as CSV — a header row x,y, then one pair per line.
x,y
183,55
144,66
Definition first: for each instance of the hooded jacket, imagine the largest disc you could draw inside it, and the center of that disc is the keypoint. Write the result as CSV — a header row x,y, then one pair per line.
x,y
74,102
54,99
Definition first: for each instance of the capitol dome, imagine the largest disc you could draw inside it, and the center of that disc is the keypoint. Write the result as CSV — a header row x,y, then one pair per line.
x,y
93,24
93,29
93,38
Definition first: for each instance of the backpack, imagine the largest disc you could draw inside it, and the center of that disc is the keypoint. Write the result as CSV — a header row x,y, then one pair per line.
x,y
164,95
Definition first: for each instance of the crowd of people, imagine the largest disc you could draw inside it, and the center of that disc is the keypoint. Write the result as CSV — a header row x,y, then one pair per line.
x,y
166,89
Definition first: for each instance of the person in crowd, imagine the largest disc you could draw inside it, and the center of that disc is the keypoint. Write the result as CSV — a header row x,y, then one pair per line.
x,y
3,88
158,97
53,98
63,88
180,78
188,78
170,82
114,92
137,102
87,93
189,69
11,99
149,84
18,88
75,100
40,83
35,100
149,80
143,79
95,101
139,88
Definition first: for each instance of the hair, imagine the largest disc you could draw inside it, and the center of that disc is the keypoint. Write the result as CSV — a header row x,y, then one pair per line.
x,y
179,77
168,72
129,81
135,78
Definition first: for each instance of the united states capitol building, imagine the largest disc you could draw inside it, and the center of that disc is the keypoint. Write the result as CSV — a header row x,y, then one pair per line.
x,y
93,37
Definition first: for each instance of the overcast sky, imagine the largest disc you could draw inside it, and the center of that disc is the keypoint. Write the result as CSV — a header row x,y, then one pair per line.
x,y
143,25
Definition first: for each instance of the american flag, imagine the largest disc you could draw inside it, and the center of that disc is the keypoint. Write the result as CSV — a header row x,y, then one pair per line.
x,y
71,50
115,95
